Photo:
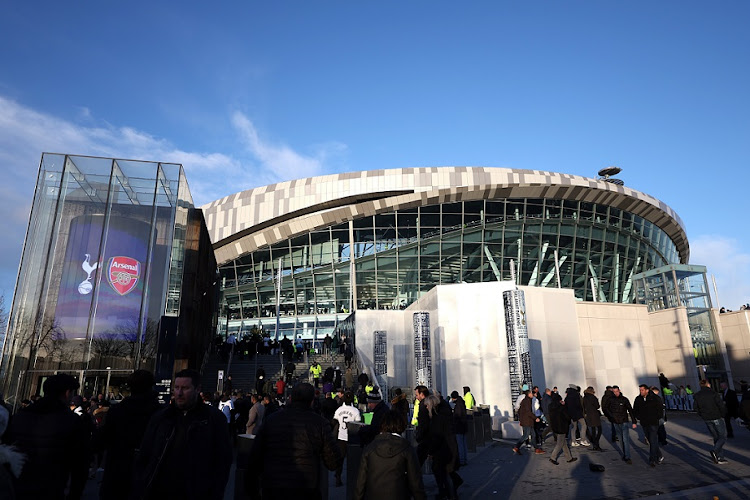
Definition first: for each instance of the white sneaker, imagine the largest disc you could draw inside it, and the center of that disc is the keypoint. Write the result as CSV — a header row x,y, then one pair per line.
x,y
575,443
585,443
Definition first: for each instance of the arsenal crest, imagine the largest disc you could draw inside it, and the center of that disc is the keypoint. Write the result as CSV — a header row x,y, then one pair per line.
x,y
123,274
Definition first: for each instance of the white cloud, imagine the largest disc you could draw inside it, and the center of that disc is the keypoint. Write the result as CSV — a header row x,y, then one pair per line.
x,y
280,160
729,262
26,133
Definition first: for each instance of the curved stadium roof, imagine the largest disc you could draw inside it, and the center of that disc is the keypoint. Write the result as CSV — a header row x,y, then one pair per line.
x,y
251,219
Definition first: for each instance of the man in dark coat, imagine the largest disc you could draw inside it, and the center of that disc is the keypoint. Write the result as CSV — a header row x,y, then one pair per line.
x,y
460,426
377,406
442,446
733,407
711,408
605,404
618,409
592,416
389,467
288,450
55,441
648,409
126,425
186,451
560,424
573,402
527,419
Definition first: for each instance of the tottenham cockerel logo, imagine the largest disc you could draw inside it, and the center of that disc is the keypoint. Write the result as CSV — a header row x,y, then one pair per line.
x,y
123,274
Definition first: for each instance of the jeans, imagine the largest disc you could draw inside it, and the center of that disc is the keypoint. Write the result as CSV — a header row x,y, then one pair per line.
x,y
526,434
561,444
461,441
622,434
662,433
719,432
582,423
651,433
595,431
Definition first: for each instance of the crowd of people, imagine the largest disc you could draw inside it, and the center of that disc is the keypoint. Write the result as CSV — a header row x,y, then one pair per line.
x,y
245,347
183,449
575,419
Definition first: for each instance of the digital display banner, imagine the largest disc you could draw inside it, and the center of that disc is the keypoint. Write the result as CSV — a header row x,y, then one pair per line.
x,y
517,336
115,277
422,353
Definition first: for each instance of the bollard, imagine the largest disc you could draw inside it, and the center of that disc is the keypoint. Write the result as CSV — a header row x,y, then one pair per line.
x,y
244,446
471,443
353,456
478,428
487,421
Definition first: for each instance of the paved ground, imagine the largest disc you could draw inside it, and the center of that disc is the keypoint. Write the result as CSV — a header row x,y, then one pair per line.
x,y
687,472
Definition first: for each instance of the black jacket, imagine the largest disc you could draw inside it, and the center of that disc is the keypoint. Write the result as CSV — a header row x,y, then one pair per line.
x,y
288,450
389,469
649,409
460,425
709,405
731,402
573,404
56,443
367,433
121,436
559,416
618,409
184,455
591,410
605,403
442,443
401,405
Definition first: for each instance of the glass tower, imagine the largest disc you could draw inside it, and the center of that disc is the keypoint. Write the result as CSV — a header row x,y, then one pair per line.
x,y
108,250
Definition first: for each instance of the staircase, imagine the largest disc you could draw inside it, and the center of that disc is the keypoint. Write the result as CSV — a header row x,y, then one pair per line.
x,y
243,371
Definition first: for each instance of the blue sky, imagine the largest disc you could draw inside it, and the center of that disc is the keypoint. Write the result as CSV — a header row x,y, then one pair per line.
x,y
249,93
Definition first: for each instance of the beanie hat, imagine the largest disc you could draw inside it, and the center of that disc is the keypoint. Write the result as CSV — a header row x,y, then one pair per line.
x,y
374,397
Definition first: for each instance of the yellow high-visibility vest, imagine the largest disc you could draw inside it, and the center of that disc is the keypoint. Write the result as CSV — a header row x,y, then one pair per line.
x,y
469,400
416,413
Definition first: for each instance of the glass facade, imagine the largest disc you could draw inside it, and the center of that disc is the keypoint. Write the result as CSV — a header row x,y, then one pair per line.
x,y
103,265
389,260
684,286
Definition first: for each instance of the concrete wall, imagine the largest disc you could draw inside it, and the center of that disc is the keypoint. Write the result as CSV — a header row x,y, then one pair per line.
x,y
735,332
673,346
582,343
617,346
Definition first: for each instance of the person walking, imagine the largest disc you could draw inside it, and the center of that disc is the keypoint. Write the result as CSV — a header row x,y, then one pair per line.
x,y
460,426
400,404
560,424
593,417
469,400
575,409
315,371
618,407
345,413
733,407
389,467
292,439
255,415
711,408
605,404
647,408
123,433
527,420
442,447
55,442
186,451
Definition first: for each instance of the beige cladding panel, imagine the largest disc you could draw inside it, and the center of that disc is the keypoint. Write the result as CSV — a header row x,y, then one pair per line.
x,y
252,207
